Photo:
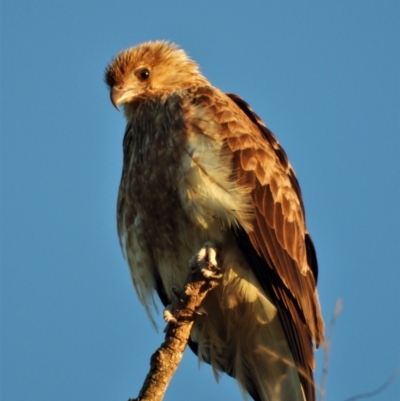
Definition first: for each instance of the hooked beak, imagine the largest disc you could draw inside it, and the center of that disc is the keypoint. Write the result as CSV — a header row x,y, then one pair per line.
x,y
119,95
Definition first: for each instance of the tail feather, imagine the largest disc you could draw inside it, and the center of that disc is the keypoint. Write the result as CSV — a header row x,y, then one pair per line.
x,y
245,339
265,369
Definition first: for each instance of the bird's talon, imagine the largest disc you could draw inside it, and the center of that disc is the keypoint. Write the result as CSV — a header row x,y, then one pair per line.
x,y
176,292
168,315
200,311
211,272
206,262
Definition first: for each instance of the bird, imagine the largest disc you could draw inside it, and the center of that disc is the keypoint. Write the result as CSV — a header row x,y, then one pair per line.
x,y
203,175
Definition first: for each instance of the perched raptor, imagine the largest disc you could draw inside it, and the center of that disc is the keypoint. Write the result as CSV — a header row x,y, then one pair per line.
x,y
200,167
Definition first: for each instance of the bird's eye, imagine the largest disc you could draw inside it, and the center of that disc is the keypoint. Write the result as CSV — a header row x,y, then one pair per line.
x,y
143,74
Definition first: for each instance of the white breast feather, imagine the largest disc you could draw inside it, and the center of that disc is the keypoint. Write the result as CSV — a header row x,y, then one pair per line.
x,y
207,190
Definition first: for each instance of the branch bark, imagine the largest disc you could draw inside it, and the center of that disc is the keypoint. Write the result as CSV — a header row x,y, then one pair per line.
x,y
165,360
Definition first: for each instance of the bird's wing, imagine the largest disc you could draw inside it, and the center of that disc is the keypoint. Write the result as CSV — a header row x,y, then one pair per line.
x,y
275,243
279,249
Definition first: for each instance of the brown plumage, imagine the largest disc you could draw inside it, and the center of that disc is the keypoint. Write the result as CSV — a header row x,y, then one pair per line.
x,y
200,166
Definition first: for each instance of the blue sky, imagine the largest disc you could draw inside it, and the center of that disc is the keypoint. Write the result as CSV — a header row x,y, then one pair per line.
x,y
324,76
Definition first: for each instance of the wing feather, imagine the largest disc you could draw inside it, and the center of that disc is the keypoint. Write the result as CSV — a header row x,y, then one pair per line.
x,y
280,250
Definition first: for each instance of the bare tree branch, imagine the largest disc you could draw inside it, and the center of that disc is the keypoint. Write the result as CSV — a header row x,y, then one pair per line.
x,y
327,349
166,359
382,387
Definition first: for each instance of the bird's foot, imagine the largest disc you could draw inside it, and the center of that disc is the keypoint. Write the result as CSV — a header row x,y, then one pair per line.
x,y
168,314
206,262
169,310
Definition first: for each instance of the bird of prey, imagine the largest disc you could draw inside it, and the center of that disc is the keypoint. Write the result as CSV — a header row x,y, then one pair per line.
x,y
202,175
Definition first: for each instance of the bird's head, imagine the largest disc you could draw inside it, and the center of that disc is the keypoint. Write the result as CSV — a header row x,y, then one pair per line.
x,y
150,68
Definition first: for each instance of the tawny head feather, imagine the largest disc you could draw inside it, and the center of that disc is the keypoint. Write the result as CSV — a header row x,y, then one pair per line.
x,y
150,68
